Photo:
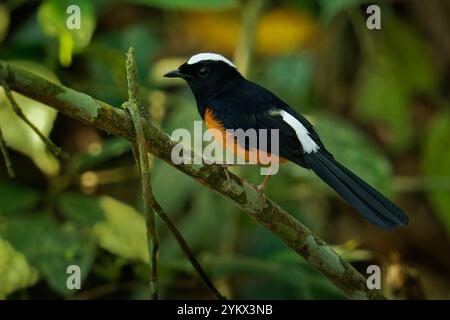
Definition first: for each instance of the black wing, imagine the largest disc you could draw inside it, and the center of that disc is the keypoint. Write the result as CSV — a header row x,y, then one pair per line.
x,y
253,107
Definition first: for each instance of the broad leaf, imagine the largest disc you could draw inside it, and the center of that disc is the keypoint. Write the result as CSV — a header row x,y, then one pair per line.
x,y
18,135
118,227
52,248
123,232
16,198
201,220
81,208
15,271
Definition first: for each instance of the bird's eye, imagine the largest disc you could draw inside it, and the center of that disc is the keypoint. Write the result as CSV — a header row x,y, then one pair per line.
x,y
203,72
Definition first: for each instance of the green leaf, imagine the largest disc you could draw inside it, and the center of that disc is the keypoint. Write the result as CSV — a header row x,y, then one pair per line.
x,y
15,271
435,162
118,227
188,4
354,150
18,135
165,177
52,248
15,197
200,217
84,209
75,247
53,18
123,232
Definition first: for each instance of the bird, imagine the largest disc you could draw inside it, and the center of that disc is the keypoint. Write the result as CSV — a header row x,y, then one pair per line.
x,y
227,100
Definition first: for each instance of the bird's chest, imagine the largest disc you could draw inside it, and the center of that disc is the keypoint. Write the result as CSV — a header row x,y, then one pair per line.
x,y
217,129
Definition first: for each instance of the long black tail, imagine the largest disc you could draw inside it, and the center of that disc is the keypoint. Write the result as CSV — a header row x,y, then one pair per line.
x,y
366,200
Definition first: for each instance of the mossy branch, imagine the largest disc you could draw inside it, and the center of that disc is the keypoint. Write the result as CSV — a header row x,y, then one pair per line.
x,y
117,121
137,113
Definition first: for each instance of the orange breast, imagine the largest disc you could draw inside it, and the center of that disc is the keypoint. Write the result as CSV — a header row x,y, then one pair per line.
x,y
228,140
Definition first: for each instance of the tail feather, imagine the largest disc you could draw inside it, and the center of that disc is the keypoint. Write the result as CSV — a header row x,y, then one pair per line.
x,y
366,200
392,207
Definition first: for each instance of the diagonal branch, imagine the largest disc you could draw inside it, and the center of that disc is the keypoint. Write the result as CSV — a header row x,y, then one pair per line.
x,y
116,121
188,252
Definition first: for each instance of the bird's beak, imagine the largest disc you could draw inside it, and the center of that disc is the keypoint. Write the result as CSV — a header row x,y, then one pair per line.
x,y
174,74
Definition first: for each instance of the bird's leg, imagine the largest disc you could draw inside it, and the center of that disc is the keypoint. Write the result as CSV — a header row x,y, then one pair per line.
x,y
263,184
260,190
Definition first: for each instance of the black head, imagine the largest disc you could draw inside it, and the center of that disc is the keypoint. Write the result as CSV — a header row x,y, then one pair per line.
x,y
208,74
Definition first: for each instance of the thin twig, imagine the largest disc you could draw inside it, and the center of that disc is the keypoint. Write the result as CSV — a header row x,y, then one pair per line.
x,y
187,251
5,153
57,151
133,106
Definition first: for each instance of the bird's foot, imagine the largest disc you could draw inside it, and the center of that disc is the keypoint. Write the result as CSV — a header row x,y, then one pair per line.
x,y
262,201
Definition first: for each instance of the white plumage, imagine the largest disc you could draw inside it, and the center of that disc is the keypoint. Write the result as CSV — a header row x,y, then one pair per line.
x,y
307,142
209,56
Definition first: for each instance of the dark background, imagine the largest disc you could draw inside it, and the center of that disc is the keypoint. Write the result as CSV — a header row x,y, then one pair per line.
x,y
379,99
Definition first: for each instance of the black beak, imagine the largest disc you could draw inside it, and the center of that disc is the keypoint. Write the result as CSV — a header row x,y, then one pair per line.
x,y
174,74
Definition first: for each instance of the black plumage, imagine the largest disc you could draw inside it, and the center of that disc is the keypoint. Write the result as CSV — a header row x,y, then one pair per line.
x,y
241,104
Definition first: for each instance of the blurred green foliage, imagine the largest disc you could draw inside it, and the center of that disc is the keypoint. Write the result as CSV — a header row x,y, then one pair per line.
x,y
399,68
53,19
87,211
19,135
436,160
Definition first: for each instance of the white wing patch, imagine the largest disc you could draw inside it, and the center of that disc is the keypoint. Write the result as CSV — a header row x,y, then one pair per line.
x,y
209,56
306,141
